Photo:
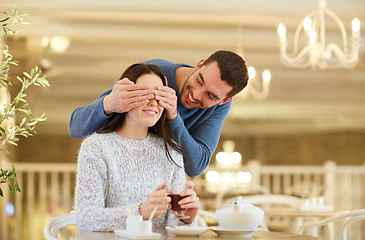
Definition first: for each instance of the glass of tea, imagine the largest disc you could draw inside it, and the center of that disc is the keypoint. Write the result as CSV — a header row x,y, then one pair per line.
x,y
174,191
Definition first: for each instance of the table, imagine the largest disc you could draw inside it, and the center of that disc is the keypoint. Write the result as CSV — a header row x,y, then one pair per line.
x,y
298,213
209,235
299,216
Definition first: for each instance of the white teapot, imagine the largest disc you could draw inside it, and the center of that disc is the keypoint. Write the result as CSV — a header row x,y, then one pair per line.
x,y
239,215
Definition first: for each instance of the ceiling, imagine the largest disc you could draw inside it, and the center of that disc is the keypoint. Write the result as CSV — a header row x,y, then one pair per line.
x,y
108,36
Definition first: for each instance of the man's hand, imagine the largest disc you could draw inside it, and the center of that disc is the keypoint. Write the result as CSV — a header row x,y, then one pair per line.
x,y
125,96
167,98
157,199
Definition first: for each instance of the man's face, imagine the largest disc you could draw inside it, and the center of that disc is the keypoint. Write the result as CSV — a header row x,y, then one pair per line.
x,y
204,88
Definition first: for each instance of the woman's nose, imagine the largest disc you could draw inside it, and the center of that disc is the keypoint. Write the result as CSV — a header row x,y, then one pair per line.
x,y
152,102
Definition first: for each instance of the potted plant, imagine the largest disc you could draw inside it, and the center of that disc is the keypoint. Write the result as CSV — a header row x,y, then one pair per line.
x,y
10,130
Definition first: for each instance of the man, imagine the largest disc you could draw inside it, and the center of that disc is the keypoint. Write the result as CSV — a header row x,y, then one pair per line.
x,y
197,101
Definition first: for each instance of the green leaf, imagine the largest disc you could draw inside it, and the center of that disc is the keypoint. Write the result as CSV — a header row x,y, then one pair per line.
x,y
4,150
5,19
27,75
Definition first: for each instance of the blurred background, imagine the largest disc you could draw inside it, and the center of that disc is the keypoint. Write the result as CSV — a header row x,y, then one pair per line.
x,y
306,117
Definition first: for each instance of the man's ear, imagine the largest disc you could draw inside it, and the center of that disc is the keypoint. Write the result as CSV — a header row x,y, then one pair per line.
x,y
224,101
200,63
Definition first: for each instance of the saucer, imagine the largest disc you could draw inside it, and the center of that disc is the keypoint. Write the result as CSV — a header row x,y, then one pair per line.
x,y
242,232
186,230
123,233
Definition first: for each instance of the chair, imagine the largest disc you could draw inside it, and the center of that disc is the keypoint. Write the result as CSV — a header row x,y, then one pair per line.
x,y
54,225
271,201
306,189
343,219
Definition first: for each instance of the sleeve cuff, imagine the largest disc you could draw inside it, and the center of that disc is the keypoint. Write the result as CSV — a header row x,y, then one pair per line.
x,y
176,122
100,109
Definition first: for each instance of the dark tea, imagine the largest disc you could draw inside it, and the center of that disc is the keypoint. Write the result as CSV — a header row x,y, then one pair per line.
x,y
175,198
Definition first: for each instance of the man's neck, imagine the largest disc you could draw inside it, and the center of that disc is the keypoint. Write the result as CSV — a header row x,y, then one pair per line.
x,y
182,73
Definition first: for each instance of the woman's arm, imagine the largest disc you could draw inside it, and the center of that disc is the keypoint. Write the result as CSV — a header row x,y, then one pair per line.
x,y
91,193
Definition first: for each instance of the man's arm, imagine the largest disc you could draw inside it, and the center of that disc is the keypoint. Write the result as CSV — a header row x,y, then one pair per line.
x,y
199,143
124,96
88,119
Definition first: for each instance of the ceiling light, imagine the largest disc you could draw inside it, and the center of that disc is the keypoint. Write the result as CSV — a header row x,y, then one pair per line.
x,y
315,53
257,87
59,44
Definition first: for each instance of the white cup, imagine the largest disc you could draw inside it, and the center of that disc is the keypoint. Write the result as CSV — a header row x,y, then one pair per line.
x,y
143,227
306,203
314,202
131,223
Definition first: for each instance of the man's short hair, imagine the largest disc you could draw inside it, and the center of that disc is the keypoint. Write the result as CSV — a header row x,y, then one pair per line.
x,y
233,70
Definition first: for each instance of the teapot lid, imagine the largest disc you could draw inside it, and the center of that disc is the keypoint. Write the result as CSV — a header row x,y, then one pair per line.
x,y
239,206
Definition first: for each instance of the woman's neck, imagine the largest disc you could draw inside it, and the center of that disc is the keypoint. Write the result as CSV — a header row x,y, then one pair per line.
x,y
132,132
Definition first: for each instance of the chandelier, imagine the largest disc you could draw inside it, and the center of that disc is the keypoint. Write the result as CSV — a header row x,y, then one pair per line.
x,y
258,86
228,174
315,53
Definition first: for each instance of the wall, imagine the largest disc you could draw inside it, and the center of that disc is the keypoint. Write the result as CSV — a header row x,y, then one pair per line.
x,y
341,147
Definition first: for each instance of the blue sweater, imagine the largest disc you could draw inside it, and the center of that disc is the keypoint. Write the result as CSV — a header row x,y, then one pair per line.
x,y
197,130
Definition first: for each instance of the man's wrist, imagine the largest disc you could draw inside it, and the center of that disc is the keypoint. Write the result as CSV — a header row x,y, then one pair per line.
x,y
106,112
173,116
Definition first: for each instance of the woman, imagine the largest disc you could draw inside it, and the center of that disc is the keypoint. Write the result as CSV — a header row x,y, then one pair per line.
x,y
125,168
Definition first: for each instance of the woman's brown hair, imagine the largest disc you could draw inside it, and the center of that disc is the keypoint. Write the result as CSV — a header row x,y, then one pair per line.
x,y
161,129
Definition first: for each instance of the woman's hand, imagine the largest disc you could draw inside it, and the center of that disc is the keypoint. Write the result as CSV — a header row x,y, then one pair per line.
x,y
190,203
158,199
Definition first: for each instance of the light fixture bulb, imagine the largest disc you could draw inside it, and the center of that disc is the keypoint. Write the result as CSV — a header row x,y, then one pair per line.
x,y
266,76
281,31
251,72
236,157
245,177
356,25
307,24
59,44
312,36
213,176
222,157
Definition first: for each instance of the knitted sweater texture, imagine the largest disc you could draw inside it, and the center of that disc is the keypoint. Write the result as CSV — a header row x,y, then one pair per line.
x,y
115,175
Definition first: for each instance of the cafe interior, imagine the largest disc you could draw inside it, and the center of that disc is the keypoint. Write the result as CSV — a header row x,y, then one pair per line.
x,y
292,143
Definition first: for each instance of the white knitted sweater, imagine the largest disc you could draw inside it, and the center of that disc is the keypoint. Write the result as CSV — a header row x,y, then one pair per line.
x,y
115,175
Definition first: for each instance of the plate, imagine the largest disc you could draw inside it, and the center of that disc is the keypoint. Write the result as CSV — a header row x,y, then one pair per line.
x,y
186,230
242,232
123,233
